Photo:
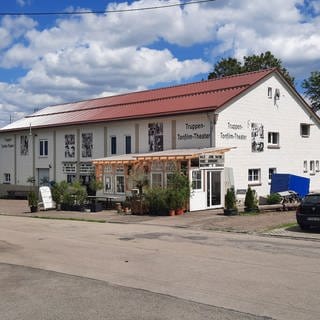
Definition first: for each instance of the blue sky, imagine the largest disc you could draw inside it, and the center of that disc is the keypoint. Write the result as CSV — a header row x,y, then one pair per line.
x,y
52,59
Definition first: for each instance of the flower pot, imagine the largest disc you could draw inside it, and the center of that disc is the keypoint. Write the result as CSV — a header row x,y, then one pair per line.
x,y
34,209
230,212
172,212
179,212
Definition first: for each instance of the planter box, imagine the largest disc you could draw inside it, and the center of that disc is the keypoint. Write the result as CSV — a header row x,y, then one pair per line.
x,y
230,212
96,207
75,207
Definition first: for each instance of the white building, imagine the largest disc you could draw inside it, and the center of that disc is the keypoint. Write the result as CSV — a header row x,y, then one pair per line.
x,y
254,124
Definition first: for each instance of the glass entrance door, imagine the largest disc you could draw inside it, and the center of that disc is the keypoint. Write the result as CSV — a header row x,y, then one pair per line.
x,y
213,188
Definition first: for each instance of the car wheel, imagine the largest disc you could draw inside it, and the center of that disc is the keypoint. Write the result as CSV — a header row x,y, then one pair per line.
x,y
304,227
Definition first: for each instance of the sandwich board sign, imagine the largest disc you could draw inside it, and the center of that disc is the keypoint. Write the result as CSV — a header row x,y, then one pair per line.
x,y
46,197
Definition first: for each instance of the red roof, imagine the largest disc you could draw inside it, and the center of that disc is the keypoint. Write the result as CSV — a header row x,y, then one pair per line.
x,y
194,97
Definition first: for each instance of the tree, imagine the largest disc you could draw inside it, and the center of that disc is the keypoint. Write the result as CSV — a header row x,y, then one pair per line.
x,y
226,67
312,89
230,66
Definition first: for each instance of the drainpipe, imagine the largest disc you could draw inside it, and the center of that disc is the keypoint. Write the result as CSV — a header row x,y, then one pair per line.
x,y
213,118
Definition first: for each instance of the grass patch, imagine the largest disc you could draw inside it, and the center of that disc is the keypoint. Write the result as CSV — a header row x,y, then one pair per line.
x,y
71,219
284,225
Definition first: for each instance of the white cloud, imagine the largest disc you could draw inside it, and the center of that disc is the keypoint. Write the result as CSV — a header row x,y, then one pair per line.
x,y
12,29
91,55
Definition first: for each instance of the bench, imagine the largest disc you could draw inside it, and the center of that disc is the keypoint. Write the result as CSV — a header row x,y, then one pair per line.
x,y
17,194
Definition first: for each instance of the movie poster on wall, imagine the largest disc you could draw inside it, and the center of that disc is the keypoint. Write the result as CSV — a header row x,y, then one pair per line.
x,y
87,145
257,137
24,145
155,135
69,146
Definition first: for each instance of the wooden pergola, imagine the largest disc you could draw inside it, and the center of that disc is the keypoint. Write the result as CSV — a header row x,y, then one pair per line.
x,y
145,160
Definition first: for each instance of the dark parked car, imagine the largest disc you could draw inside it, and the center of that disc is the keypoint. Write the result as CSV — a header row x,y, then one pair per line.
x,y
308,212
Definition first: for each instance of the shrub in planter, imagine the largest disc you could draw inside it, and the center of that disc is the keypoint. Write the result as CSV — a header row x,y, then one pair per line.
x,y
58,190
251,202
273,198
230,203
33,201
155,199
74,198
180,188
94,186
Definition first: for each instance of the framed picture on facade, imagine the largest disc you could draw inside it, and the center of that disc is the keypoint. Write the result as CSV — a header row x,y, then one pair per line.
x,y
69,146
87,145
24,145
257,137
155,136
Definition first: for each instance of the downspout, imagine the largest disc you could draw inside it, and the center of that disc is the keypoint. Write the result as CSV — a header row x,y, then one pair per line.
x,y
213,118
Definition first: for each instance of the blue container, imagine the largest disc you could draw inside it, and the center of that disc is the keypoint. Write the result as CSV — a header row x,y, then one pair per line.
x,y
284,182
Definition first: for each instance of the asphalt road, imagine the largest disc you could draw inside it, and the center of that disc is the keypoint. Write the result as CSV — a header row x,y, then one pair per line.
x,y
153,272
28,293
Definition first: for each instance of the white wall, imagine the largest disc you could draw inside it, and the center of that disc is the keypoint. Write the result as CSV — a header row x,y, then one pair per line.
x,y
283,116
7,150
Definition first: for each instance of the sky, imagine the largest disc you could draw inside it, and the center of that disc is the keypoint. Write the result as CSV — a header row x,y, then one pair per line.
x,y
53,59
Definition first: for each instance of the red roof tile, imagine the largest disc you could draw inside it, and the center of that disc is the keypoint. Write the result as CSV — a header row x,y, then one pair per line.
x,y
187,98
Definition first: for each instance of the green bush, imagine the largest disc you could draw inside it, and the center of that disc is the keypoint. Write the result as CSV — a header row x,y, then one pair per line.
x,y
155,199
273,198
59,190
251,202
230,199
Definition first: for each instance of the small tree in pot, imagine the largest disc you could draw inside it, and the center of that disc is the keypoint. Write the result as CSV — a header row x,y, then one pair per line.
x,y
32,195
230,203
251,202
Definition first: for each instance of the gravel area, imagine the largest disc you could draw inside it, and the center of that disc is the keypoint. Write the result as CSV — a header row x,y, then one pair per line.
x,y
206,220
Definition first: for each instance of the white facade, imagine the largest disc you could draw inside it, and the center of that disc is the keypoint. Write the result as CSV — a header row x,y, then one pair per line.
x,y
269,127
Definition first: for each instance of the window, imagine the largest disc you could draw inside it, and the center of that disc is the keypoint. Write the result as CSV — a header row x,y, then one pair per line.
x,y
108,186
317,165
273,139
71,178
43,148
7,178
271,172
305,166
196,180
254,176
113,145
128,144
120,184
269,92
305,130
156,179
312,167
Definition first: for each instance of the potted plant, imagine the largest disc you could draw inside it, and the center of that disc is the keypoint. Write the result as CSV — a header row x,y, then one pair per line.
x,y
33,201
171,201
94,186
155,199
179,184
59,189
251,202
230,203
